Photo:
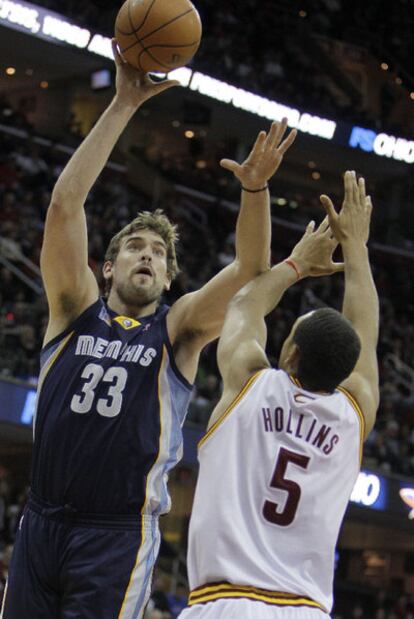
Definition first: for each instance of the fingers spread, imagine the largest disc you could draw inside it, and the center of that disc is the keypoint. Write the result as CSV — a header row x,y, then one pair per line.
x,y
271,136
258,146
348,187
362,192
279,133
287,143
229,164
328,206
355,189
323,226
310,228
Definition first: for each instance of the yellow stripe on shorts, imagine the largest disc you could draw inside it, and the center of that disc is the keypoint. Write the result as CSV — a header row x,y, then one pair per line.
x,y
224,590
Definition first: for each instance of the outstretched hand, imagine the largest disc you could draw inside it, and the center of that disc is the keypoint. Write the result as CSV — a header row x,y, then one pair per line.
x,y
313,254
352,222
264,158
132,86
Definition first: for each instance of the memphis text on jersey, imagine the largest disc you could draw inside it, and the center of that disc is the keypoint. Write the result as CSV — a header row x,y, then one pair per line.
x,y
98,347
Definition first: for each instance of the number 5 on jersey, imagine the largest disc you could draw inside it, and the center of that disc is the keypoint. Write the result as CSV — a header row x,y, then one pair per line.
x,y
279,481
93,375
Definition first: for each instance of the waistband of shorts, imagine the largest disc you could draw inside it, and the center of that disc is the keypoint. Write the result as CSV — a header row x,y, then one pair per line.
x,y
72,516
225,590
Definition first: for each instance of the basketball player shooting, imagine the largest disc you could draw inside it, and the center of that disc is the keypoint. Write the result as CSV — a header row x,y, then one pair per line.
x,y
283,447
115,381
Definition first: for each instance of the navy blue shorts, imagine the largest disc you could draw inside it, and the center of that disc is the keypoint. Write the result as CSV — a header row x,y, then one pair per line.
x,y
68,565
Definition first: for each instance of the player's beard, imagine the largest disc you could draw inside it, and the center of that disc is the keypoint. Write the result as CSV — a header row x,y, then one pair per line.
x,y
138,296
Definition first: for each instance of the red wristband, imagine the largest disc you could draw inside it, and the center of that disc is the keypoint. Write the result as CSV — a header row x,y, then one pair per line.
x,y
294,266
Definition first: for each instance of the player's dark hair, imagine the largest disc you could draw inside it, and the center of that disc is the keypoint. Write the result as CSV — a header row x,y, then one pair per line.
x,y
156,221
329,348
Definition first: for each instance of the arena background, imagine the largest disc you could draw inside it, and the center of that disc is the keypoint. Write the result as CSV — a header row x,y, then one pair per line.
x,y
341,72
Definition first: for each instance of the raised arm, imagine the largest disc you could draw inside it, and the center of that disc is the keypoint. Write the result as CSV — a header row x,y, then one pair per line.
x,y
197,318
69,282
241,350
360,306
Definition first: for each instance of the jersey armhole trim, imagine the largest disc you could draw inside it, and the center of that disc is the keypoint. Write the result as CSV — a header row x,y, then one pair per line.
x,y
51,360
72,326
231,406
360,416
170,352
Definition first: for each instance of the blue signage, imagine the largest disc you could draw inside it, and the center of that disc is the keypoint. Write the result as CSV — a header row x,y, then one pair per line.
x,y
17,403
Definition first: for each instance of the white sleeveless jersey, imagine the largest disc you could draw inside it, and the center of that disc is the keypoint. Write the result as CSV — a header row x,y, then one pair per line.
x,y
276,473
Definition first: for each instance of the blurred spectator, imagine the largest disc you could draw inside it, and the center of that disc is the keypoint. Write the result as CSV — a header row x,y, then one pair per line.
x,y
178,601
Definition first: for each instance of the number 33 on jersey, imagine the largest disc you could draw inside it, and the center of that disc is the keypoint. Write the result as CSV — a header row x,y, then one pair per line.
x,y
108,398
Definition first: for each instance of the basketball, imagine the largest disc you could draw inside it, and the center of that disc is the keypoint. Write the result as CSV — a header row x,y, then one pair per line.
x,y
158,35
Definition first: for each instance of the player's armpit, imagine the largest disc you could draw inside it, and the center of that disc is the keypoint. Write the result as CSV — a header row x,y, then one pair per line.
x,y
366,394
241,347
237,368
202,312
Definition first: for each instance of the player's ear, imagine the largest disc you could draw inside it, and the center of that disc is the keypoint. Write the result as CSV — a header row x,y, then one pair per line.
x,y
292,359
107,270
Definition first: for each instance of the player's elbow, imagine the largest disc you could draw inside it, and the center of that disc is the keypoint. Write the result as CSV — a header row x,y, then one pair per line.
x,y
245,296
67,196
250,265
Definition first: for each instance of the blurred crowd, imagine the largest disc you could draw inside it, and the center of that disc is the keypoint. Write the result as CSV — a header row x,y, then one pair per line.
x,y
276,49
383,607
27,175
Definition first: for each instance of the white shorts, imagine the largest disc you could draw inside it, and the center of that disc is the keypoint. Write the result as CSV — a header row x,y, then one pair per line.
x,y
246,609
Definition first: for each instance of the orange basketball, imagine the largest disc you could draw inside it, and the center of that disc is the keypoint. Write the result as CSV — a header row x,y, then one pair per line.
x,y
158,35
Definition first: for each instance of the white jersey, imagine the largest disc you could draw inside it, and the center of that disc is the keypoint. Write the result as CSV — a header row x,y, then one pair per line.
x,y
276,473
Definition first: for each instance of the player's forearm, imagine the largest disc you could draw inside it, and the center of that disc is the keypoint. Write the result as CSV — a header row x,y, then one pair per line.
x,y
360,304
261,295
88,161
253,233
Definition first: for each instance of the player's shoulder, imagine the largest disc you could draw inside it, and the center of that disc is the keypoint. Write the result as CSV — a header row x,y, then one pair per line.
x,y
363,398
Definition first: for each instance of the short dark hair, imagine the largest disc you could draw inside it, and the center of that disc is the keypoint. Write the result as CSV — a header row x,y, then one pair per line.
x,y
329,348
156,221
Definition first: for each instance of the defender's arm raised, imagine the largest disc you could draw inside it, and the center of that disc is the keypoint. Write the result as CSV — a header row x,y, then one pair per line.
x,y
360,306
201,314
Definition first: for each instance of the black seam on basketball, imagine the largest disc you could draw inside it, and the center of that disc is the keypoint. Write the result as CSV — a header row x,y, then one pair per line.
x,y
135,34
145,17
145,49
153,58
135,30
166,45
167,24
131,46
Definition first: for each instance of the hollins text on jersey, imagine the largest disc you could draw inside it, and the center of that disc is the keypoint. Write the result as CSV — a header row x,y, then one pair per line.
x,y
304,426
111,403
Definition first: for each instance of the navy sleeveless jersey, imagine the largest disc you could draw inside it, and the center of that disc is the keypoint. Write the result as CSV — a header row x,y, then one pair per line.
x,y
110,407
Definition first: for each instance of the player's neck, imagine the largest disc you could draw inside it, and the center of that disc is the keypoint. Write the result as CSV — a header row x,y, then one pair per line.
x,y
131,311
305,388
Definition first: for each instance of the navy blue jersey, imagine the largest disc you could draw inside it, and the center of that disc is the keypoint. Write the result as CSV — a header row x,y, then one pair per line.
x,y
111,404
